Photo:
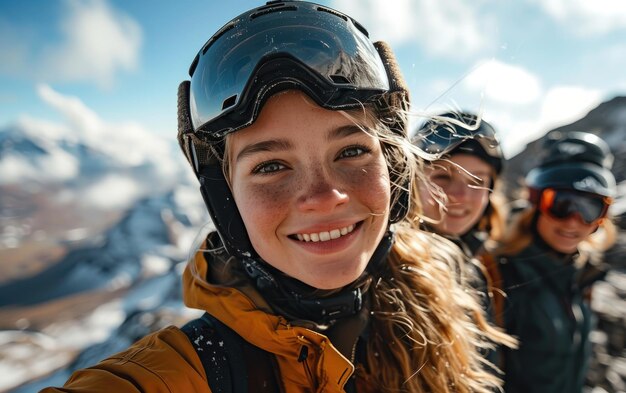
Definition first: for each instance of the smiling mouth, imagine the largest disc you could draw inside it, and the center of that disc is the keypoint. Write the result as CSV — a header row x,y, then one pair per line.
x,y
456,213
569,235
326,235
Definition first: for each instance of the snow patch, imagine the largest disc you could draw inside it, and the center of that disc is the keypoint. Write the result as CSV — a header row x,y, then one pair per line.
x,y
113,192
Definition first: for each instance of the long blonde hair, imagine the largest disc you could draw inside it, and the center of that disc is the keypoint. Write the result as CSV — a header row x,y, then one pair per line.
x,y
428,327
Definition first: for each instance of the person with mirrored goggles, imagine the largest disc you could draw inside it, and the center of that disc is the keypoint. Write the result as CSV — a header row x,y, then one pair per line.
x,y
458,197
549,261
317,277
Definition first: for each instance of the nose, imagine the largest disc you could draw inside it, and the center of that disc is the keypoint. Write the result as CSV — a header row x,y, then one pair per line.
x,y
575,219
457,190
321,192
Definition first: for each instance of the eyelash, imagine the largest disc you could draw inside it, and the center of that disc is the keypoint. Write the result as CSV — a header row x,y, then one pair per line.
x,y
364,150
261,169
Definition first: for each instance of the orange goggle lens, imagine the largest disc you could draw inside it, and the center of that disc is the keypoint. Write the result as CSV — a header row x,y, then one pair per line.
x,y
561,204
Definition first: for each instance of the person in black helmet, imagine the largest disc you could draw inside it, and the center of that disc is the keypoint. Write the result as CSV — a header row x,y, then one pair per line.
x,y
317,278
458,198
550,260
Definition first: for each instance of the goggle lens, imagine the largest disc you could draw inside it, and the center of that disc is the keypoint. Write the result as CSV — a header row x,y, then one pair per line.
x,y
441,136
308,46
561,204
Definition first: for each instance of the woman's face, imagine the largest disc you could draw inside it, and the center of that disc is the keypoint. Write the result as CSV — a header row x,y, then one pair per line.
x,y
564,235
312,188
465,179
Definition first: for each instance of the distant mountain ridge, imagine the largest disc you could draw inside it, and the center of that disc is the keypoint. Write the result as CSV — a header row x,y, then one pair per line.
x,y
608,121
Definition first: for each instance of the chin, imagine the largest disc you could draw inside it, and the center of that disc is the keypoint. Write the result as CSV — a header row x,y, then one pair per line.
x,y
333,280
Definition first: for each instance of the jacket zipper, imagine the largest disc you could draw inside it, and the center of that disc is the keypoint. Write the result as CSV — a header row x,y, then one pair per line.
x,y
303,358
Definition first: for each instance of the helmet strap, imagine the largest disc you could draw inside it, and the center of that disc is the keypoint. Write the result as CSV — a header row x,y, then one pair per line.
x,y
301,301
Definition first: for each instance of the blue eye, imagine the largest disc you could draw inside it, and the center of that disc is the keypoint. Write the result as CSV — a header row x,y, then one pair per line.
x,y
353,151
268,168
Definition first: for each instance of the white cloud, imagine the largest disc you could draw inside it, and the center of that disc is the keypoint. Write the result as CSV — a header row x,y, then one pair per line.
x,y
516,130
559,106
79,116
96,43
565,104
446,28
388,21
504,83
584,16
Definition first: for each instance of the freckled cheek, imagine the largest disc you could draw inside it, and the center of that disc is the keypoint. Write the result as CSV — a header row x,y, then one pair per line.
x,y
479,197
371,185
261,206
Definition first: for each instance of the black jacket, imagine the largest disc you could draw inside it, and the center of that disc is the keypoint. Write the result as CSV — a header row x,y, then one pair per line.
x,y
546,308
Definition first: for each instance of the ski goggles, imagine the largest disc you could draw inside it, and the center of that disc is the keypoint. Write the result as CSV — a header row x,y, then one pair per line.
x,y
441,136
562,204
276,47
459,132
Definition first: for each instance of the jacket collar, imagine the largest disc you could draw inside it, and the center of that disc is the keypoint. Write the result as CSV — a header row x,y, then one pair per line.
x,y
230,297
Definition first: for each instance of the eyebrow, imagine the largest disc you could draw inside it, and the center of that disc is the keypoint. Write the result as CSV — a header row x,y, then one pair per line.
x,y
284,144
263,146
343,132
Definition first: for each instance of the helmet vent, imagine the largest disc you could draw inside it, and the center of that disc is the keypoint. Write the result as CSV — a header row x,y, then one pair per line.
x,y
216,36
230,101
274,8
340,79
323,9
346,18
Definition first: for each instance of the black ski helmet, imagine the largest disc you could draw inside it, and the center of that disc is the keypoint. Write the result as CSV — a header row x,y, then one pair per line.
x,y
280,46
574,160
466,133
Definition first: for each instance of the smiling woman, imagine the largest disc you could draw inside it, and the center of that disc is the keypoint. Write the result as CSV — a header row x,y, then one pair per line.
x,y
550,260
302,171
318,277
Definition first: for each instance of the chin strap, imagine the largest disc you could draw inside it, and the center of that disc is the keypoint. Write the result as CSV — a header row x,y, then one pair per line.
x,y
301,301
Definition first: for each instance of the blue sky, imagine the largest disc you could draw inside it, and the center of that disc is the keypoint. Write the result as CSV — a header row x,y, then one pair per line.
x,y
526,65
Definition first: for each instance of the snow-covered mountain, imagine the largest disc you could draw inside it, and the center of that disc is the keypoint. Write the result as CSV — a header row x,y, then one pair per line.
x,y
69,181
96,221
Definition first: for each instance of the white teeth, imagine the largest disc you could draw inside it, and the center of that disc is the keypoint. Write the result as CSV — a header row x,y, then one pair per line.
x,y
568,234
325,236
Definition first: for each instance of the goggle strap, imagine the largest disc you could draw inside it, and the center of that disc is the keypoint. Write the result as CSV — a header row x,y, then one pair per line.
x,y
398,94
185,129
